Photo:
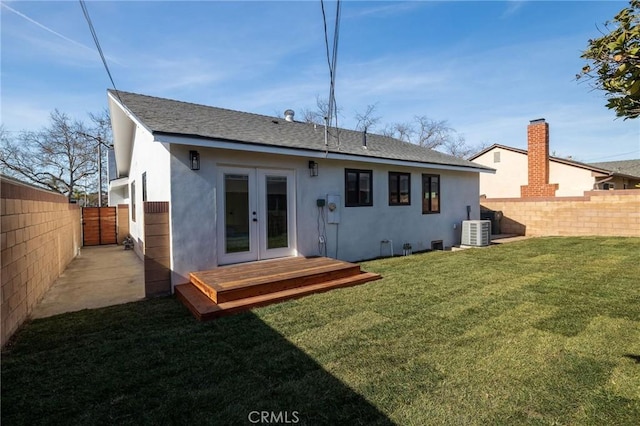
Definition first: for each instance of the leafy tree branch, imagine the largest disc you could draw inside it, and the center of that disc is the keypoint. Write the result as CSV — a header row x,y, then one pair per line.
x,y
614,62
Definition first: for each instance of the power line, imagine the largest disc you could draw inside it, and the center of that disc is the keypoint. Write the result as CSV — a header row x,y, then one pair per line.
x,y
332,58
611,156
336,34
95,39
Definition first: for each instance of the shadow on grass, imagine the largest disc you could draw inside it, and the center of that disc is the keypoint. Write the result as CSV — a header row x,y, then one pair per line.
x,y
151,362
632,357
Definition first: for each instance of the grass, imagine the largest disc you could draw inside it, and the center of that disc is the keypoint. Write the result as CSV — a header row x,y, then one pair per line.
x,y
544,331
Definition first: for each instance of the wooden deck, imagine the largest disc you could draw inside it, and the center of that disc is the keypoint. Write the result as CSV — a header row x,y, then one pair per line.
x,y
236,288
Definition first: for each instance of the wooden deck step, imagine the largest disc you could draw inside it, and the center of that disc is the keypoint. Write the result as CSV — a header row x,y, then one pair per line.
x,y
203,308
245,281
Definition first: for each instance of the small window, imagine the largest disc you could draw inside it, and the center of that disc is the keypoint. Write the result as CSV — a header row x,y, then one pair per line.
x,y
608,185
358,187
399,189
430,194
144,186
133,201
496,157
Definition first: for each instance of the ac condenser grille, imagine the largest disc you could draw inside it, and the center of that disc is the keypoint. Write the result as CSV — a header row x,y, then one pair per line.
x,y
476,232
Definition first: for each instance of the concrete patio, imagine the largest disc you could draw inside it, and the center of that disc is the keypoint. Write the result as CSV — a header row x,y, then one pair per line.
x,y
99,276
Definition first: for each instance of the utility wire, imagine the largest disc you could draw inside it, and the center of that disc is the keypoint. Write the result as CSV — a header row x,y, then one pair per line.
x,y
332,58
326,43
95,39
597,159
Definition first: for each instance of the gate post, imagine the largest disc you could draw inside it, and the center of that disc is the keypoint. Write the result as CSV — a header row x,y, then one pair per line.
x,y
157,250
122,223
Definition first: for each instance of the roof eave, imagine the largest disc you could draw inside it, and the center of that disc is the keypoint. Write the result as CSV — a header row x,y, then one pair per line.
x,y
205,142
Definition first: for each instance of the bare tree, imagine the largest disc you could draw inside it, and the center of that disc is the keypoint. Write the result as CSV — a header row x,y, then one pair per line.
x,y
57,157
318,114
432,134
422,130
367,120
403,131
312,116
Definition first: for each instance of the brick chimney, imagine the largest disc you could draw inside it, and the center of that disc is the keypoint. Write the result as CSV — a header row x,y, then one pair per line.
x,y
538,158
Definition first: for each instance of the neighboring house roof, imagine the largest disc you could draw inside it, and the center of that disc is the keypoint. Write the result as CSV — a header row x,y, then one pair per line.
x,y
604,168
169,117
626,167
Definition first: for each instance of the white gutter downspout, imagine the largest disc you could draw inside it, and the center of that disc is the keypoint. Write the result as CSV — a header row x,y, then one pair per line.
x,y
596,183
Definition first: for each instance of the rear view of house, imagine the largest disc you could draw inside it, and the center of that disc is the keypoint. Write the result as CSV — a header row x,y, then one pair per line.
x,y
240,187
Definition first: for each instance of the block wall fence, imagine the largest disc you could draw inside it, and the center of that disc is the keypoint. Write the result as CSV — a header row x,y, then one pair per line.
x,y
41,234
598,213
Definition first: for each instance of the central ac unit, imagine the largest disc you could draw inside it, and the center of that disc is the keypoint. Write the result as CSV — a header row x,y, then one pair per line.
x,y
476,233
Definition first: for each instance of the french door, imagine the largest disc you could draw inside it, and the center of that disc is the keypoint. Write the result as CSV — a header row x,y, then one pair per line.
x,y
256,214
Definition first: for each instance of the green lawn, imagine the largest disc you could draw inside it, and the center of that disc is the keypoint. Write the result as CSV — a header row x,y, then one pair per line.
x,y
543,331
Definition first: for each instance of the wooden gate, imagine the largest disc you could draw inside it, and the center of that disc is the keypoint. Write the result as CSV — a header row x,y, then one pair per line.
x,y
98,226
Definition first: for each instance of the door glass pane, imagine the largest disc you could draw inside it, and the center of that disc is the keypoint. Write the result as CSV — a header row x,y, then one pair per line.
x,y
277,235
236,214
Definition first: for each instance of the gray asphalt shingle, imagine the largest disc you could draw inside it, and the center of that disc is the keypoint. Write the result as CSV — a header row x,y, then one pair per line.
x,y
166,116
626,167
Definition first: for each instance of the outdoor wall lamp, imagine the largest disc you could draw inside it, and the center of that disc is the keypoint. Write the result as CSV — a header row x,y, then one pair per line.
x,y
194,157
313,168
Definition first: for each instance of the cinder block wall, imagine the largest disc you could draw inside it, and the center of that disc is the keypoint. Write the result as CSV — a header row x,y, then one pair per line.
x,y
41,234
605,213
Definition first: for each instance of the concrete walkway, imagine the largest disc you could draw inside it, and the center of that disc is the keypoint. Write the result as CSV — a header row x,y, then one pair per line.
x,y
99,276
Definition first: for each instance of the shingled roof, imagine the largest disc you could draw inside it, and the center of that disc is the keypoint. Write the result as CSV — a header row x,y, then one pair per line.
x,y
625,167
170,117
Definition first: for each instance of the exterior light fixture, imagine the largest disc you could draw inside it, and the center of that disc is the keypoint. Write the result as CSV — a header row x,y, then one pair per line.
x,y
313,168
194,158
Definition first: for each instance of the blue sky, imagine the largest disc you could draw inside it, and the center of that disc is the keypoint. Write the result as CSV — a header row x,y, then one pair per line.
x,y
486,67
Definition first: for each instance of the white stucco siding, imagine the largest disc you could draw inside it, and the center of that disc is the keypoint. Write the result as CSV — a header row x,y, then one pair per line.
x,y
119,191
361,229
152,158
356,237
511,173
119,196
572,181
193,213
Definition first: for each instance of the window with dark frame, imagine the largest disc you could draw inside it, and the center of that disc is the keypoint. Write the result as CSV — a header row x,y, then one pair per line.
x,y
430,194
144,187
358,187
399,189
133,201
